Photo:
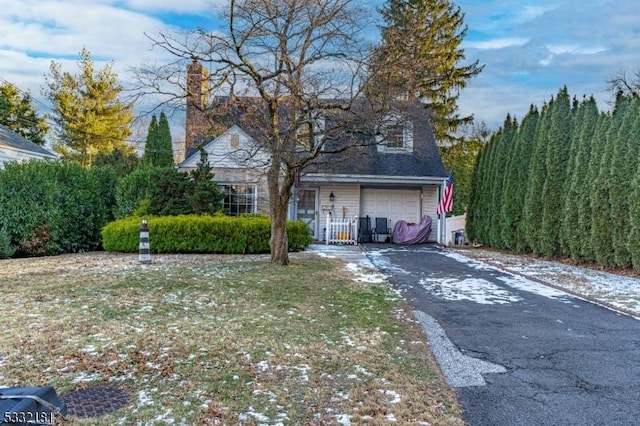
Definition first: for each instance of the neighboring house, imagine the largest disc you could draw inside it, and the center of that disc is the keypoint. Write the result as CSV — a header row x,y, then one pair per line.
x,y
401,178
14,147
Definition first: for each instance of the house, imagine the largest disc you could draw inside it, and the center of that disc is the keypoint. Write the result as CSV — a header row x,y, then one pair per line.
x,y
399,178
14,147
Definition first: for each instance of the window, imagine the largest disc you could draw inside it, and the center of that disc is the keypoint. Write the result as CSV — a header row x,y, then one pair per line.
x,y
239,199
395,136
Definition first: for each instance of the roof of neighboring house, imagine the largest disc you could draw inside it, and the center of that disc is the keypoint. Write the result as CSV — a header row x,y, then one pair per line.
x,y
10,138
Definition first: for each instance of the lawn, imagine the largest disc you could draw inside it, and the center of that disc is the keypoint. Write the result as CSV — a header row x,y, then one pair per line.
x,y
219,340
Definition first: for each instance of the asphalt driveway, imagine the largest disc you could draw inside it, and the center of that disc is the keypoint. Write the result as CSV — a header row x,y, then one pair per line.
x,y
518,352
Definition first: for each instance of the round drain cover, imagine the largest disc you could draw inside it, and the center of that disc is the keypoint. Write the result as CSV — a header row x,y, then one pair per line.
x,y
95,401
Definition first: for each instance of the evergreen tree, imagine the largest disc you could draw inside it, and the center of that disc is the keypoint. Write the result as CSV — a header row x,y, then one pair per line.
x,y
577,198
472,225
420,57
164,146
623,166
205,196
537,174
151,143
557,157
18,114
568,210
158,148
587,201
601,235
122,160
486,191
87,110
516,179
633,239
461,157
501,165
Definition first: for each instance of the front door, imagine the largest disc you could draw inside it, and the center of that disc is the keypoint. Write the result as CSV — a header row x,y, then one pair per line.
x,y
306,209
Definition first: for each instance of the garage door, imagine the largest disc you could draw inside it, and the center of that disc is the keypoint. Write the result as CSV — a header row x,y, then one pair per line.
x,y
394,204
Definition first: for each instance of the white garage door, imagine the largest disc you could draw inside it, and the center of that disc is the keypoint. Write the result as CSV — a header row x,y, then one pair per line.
x,y
394,204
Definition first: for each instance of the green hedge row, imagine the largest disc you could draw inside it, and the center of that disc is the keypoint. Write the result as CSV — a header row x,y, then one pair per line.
x,y
48,207
201,234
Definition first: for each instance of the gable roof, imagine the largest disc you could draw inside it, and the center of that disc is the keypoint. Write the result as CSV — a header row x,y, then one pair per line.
x,y
222,153
423,161
12,139
420,161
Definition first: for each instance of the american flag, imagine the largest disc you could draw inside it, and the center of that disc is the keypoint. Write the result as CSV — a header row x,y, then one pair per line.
x,y
446,203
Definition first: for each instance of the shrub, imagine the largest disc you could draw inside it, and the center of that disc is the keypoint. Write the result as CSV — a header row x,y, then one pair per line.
x,y
201,234
6,249
50,208
164,191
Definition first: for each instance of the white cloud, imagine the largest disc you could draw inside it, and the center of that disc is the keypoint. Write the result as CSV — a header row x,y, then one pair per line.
x,y
498,43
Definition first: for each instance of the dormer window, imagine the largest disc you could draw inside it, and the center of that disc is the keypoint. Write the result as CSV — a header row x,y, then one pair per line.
x,y
395,135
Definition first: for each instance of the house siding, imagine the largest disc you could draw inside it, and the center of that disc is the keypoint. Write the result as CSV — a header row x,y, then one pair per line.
x,y
8,154
231,163
347,196
429,206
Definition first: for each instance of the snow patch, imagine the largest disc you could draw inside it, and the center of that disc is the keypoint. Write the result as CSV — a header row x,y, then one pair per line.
x,y
364,274
471,289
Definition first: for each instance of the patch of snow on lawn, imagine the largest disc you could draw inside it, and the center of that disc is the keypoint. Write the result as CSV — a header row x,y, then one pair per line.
x,y
365,275
343,419
144,399
475,290
395,396
251,413
477,265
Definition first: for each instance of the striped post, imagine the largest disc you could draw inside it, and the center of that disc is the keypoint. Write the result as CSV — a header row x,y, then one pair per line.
x,y
144,254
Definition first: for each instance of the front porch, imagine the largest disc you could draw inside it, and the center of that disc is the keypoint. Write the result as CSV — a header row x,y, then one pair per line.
x,y
335,211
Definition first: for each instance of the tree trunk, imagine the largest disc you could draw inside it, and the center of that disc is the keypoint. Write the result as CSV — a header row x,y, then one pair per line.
x,y
279,209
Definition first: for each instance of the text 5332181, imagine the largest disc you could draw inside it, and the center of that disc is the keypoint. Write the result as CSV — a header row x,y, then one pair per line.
x,y
29,417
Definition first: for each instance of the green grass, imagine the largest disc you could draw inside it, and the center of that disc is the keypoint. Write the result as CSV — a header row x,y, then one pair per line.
x,y
219,340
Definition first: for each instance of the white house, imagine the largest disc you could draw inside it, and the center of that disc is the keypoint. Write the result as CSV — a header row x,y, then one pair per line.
x,y
14,147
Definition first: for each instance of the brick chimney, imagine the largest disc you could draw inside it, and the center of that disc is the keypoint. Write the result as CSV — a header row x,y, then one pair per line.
x,y
196,118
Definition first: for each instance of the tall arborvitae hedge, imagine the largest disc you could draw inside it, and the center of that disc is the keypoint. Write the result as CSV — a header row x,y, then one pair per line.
x,y
558,144
578,111
537,174
516,179
503,158
574,215
623,166
601,226
564,183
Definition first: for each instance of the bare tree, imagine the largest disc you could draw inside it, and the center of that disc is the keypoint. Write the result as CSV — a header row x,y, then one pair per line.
x,y
295,69
622,83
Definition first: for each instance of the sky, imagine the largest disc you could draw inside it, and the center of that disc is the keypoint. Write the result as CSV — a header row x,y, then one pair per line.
x,y
529,48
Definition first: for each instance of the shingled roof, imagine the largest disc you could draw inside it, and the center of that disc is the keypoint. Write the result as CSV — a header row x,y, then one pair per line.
x,y
10,138
368,159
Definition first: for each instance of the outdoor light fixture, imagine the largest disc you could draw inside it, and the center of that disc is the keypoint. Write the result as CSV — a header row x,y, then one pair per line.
x,y
332,197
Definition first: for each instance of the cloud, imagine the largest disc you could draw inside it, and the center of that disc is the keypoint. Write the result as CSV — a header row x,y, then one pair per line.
x,y
569,49
498,43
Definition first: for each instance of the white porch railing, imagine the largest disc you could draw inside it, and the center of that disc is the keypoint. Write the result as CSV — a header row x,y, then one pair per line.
x,y
341,231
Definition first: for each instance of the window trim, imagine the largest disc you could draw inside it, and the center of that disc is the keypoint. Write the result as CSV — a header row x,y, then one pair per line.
x,y
228,206
407,135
